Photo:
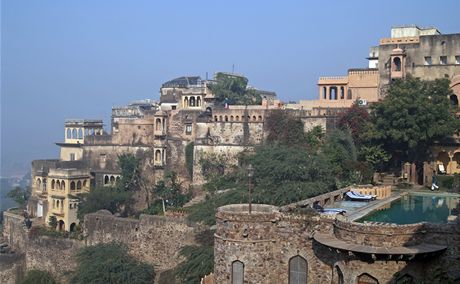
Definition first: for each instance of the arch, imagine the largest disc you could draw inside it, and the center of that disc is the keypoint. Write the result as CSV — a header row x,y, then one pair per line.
x,y
397,64
333,93
157,155
443,158
63,185
72,227
232,118
79,184
186,102
237,118
366,279
298,270
342,93
324,92
72,185
53,183
456,160
454,100
57,204
198,101
192,101
226,118
338,275
349,95
158,124
237,272
39,183
220,117
215,118
254,118
84,183
260,118
58,185
69,133
74,133
106,179
61,225
80,133
112,179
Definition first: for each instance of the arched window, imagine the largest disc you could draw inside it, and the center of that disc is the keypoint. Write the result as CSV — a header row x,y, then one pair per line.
x,y
158,124
112,179
79,185
260,118
157,155
69,133
53,184
367,279
220,117
297,270
397,64
237,118
84,183
237,272
74,133
454,100
106,179
80,133
254,118
215,118
58,185
44,184
39,183
198,101
72,185
324,93
192,101
232,118
63,185
226,118
349,95
57,204
186,102
342,93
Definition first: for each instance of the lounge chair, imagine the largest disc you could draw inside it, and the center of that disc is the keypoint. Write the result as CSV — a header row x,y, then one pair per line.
x,y
320,209
354,197
363,195
441,169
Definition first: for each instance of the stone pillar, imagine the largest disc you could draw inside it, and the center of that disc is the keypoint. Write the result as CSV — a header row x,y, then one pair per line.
x,y
320,92
406,172
449,169
328,93
413,173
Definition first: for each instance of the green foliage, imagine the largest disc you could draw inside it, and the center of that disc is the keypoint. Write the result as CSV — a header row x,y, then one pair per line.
x,y
171,191
355,120
200,262
19,195
130,172
110,263
155,208
284,128
38,277
189,158
374,155
113,199
412,116
52,222
315,137
233,90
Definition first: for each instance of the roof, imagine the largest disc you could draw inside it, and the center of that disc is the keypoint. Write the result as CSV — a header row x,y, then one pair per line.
x,y
182,82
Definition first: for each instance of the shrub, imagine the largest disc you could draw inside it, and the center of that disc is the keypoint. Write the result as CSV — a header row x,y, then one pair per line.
x,y
38,277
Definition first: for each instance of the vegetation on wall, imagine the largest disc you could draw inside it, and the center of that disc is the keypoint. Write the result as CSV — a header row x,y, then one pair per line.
x,y
19,195
110,263
189,158
38,277
233,89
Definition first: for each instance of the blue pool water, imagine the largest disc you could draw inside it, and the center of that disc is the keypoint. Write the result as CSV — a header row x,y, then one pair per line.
x,y
414,208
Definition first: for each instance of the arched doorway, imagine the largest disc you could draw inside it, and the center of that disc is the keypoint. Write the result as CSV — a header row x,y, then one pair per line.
x,y
338,275
367,279
397,64
454,100
61,225
237,272
444,159
72,227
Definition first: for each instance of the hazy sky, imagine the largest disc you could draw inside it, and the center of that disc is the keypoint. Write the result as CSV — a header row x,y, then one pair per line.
x,y
76,59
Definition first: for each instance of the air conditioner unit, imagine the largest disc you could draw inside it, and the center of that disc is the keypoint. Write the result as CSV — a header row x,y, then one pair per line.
x,y
362,102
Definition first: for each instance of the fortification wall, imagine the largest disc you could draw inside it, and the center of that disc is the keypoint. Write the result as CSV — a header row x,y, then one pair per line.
x,y
11,268
154,239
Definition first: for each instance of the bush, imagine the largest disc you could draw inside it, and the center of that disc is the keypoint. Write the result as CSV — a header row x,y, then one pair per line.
x,y
38,277
110,263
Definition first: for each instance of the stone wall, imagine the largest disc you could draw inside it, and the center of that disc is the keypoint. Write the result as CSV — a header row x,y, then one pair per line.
x,y
154,239
268,239
11,268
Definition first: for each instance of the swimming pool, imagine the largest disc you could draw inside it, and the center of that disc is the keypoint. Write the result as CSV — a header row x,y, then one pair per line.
x,y
414,208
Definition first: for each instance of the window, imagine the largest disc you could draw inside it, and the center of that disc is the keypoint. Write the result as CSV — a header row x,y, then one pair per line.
x,y
188,129
237,272
397,64
443,60
457,59
297,270
428,60
72,156
69,133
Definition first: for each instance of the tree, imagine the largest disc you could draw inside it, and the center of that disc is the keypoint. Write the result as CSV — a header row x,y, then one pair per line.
x,y
38,277
112,199
130,172
171,191
413,115
52,222
233,89
354,119
110,263
284,128
19,195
